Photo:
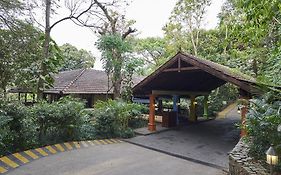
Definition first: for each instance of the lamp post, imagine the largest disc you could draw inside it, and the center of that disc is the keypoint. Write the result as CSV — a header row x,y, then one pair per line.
x,y
271,158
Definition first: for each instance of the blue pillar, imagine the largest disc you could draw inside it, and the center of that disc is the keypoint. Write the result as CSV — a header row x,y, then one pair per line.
x,y
175,106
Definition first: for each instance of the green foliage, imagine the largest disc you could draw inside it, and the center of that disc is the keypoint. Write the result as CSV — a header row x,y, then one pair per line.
x,y
262,122
75,59
9,9
27,127
118,62
16,131
60,121
186,21
112,118
21,43
113,48
131,67
218,100
153,50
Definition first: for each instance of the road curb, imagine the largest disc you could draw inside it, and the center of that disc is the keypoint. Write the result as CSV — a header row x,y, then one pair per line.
x,y
15,160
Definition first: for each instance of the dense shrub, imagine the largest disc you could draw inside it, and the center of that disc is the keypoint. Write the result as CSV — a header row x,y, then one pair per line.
x,y
24,127
60,121
263,119
112,118
16,127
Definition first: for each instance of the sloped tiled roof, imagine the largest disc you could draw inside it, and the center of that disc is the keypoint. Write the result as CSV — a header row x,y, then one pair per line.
x,y
82,81
207,77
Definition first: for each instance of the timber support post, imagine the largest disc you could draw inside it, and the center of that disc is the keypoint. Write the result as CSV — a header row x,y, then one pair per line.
x,y
175,106
192,114
244,100
205,107
151,124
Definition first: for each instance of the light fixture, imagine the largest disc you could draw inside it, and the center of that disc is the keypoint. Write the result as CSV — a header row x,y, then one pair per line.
x,y
271,158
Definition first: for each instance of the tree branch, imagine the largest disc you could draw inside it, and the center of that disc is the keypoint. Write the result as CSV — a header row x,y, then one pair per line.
x,y
128,32
74,17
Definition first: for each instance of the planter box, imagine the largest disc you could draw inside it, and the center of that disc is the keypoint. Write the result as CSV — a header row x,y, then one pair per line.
x,y
169,119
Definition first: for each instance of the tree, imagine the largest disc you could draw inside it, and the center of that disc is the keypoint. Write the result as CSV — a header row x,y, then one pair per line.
x,y
75,59
9,9
154,51
187,16
79,12
118,62
20,40
252,35
151,49
114,29
19,49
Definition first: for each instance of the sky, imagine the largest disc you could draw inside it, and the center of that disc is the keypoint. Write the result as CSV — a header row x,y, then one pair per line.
x,y
150,16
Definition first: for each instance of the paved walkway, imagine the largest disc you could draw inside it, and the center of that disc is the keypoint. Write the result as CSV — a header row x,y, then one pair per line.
x,y
114,159
207,143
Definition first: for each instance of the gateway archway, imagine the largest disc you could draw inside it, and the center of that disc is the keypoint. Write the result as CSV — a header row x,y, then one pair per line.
x,y
189,76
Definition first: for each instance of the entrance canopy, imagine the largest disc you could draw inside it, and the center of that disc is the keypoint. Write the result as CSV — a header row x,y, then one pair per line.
x,y
185,74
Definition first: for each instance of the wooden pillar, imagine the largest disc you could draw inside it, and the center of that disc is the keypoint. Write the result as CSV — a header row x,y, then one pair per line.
x,y
175,106
244,100
192,114
244,111
151,124
205,107
160,106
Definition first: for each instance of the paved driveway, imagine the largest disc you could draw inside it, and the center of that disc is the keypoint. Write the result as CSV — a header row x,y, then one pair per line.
x,y
114,159
207,143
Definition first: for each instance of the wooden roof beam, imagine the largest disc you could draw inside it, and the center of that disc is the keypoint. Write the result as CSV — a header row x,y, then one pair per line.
x,y
164,92
193,68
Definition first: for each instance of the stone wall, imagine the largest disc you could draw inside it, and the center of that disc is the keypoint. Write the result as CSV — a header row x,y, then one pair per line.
x,y
241,164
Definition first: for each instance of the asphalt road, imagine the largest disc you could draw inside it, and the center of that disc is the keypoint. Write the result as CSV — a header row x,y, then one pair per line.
x,y
208,142
113,159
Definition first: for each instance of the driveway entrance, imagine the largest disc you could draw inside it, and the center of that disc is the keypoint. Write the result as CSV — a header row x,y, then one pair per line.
x,y
113,159
206,142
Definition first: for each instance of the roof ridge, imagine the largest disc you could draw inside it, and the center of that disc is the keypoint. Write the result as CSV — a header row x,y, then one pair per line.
x,y
75,79
240,75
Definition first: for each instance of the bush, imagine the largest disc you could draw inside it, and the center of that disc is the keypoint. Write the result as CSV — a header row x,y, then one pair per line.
x,y
24,127
61,121
112,118
262,122
16,129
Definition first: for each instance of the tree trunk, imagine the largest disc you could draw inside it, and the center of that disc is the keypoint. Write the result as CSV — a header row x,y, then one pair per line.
x,y
193,43
117,78
43,71
192,37
117,88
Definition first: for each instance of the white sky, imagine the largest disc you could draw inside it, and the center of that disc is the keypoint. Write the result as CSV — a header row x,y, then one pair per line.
x,y
150,16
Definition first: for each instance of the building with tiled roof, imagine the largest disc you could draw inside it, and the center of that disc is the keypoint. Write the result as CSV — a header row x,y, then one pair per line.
x,y
89,84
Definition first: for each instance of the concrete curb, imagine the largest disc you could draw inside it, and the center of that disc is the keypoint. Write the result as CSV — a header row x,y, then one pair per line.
x,y
222,114
12,161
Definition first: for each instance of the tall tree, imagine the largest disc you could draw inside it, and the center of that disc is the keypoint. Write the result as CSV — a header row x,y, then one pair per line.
x,y
20,52
114,28
188,17
151,49
9,10
79,12
252,34
75,59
